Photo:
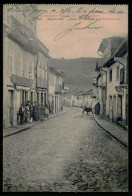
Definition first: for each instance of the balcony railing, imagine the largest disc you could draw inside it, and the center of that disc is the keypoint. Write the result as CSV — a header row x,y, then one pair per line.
x,y
41,83
21,81
22,35
58,88
18,26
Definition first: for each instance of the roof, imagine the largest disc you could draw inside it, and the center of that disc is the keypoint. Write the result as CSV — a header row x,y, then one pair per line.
x,y
59,72
79,93
56,71
89,92
42,48
121,51
123,48
51,68
115,42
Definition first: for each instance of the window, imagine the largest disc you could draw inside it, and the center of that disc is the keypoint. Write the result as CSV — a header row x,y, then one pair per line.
x,y
10,52
18,62
122,76
30,70
24,97
110,75
41,98
38,98
24,64
26,67
39,72
42,63
117,73
31,97
45,71
45,99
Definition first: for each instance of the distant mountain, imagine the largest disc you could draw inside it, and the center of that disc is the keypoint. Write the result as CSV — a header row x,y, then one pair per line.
x,y
79,72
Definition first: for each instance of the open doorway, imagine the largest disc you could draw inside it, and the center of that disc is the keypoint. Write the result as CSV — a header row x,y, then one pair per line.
x,y
114,109
11,106
110,107
119,107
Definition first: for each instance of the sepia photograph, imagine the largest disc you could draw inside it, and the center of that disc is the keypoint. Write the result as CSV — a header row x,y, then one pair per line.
x,y
65,98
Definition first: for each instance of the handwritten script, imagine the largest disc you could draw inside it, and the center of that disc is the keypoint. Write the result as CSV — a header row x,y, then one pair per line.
x,y
71,13
76,27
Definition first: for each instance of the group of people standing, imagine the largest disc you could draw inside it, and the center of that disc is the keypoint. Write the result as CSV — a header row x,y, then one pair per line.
x,y
29,112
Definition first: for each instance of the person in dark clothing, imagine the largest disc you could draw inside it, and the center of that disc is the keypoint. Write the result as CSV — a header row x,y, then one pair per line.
x,y
52,107
21,113
97,109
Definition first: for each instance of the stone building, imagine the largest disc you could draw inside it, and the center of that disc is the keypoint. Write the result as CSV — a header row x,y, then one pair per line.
x,y
112,79
55,88
78,98
117,83
25,72
106,49
87,98
68,99
41,76
19,59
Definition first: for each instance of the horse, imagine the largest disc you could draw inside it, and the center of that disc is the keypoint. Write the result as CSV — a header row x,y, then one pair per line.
x,y
86,109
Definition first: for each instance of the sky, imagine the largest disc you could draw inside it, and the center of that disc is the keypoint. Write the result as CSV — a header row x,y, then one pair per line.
x,y
109,20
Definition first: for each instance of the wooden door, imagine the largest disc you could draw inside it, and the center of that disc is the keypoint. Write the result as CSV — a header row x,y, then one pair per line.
x,y
119,107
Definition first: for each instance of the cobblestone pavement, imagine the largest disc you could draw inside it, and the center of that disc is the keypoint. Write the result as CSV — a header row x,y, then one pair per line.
x,y
69,153
114,129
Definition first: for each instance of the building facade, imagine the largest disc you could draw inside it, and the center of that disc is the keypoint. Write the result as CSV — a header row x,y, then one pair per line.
x,y
112,80
55,88
67,99
87,98
25,59
41,74
19,59
117,83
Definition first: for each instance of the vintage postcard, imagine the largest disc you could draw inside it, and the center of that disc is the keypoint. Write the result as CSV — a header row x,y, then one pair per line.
x,y
65,98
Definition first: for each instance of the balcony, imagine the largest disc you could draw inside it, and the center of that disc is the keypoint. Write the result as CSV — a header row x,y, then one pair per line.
x,y
21,81
21,34
58,88
41,83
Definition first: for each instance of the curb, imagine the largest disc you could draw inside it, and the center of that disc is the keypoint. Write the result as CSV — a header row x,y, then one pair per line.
x,y
55,116
124,144
23,129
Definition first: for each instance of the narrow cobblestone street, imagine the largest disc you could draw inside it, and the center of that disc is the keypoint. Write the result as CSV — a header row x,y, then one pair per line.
x,y
69,153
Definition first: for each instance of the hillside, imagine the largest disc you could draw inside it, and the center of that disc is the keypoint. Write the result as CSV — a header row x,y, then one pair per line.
x,y
79,72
